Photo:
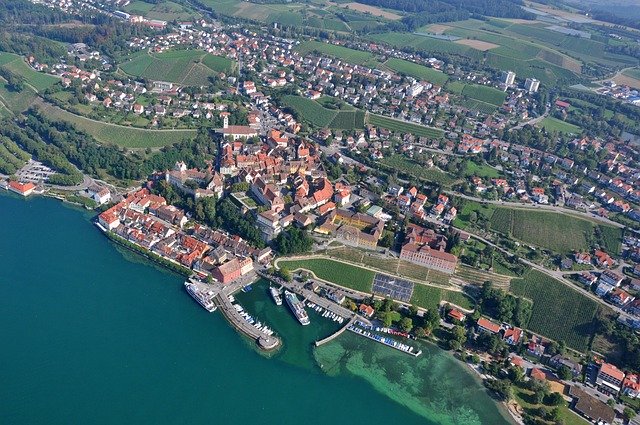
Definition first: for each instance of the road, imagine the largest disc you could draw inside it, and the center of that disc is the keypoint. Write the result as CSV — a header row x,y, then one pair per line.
x,y
532,121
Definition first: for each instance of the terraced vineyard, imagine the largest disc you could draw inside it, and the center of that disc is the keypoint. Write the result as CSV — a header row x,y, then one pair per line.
x,y
478,277
404,127
356,57
559,312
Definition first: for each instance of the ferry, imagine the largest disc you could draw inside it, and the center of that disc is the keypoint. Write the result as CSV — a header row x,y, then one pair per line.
x,y
201,293
297,308
275,294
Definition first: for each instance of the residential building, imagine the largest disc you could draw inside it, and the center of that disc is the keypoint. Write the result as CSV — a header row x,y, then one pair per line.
x,y
486,325
609,379
531,85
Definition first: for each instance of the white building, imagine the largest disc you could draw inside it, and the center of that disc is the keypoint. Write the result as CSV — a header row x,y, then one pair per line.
x,y
532,85
508,77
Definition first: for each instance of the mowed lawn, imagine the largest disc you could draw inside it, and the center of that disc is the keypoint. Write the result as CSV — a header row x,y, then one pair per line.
x,y
559,312
127,137
430,297
555,231
336,272
356,57
186,67
17,65
417,71
554,124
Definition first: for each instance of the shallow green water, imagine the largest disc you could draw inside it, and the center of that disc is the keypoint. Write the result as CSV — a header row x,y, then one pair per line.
x,y
94,334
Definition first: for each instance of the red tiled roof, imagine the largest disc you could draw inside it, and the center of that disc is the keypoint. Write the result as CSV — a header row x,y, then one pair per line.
x,y
488,325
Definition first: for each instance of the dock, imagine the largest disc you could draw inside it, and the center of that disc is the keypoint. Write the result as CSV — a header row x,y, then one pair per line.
x,y
385,341
263,340
338,332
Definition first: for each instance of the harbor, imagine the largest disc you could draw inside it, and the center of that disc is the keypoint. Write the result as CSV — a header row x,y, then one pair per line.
x,y
366,331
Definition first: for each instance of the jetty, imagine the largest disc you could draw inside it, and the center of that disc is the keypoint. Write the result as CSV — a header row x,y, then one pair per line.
x,y
385,341
338,332
264,341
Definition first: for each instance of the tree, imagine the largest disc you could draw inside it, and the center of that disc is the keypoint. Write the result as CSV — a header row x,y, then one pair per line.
x,y
564,372
406,324
628,413
285,274
387,240
500,387
554,399
420,333
413,310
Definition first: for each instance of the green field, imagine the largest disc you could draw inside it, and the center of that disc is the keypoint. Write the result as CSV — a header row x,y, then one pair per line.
x,y
541,228
554,124
486,171
611,239
430,297
15,102
127,137
404,127
484,94
405,165
17,65
633,73
356,57
339,273
559,312
317,115
165,11
186,67
417,71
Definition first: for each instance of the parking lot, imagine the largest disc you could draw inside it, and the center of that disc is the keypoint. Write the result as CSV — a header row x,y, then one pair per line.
x,y
392,287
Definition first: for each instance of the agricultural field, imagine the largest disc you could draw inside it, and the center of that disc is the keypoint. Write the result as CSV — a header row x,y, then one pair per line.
x,y
484,94
486,171
478,277
185,67
632,72
476,105
357,57
165,11
332,16
559,312
408,166
317,115
417,71
127,137
15,102
553,124
541,228
339,273
17,65
404,127
430,297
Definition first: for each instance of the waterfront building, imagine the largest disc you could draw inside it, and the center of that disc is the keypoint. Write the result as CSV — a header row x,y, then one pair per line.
x,y
24,189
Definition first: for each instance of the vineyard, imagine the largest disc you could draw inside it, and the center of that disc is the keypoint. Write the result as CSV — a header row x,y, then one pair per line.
x,y
559,312
317,115
404,127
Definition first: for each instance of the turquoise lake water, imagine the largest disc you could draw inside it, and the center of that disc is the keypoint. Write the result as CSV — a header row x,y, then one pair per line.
x,y
94,334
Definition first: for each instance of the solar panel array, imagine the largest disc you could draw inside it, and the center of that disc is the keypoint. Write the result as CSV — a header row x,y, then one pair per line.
x,y
388,286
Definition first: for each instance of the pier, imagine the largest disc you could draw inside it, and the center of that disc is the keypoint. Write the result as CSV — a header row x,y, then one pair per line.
x,y
263,340
385,341
338,332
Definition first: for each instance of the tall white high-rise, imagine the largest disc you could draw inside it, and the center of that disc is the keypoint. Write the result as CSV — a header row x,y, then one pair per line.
x,y
508,77
532,85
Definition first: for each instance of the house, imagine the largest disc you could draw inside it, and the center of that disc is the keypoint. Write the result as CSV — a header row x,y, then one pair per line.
x,y
366,310
609,379
456,315
24,189
232,270
512,336
620,297
558,361
535,347
611,278
582,258
603,289
631,385
603,259
336,296
538,374
587,278
485,325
